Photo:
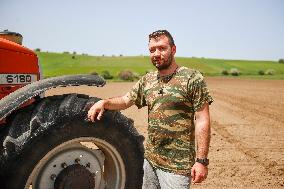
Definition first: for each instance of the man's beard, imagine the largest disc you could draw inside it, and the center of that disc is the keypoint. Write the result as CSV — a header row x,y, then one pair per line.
x,y
164,65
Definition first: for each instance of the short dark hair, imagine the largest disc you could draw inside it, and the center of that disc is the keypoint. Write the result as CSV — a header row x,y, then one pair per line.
x,y
159,33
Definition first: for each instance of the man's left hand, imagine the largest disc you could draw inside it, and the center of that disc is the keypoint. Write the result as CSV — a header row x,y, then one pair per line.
x,y
198,172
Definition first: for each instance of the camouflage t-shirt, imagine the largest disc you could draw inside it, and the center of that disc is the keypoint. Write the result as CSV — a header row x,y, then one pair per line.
x,y
171,107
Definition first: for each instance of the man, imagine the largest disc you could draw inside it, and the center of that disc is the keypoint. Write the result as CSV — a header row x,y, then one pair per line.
x,y
178,114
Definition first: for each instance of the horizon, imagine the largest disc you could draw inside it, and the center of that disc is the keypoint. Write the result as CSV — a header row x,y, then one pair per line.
x,y
113,55
234,30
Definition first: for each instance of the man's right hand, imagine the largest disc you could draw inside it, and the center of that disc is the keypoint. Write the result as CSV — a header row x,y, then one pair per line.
x,y
116,103
96,111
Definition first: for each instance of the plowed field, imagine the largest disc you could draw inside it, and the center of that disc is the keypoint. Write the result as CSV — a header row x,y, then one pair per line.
x,y
247,144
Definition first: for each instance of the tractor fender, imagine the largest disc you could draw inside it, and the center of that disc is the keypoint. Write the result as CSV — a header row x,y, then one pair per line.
x,y
14,100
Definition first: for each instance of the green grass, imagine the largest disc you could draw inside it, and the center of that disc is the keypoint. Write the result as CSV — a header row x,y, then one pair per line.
x,y
55,64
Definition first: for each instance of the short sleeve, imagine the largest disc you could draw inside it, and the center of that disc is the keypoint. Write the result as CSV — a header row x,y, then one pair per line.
x,y
198,91
136,94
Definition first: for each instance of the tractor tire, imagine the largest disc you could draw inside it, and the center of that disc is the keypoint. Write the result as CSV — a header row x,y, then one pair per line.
x,y
60,149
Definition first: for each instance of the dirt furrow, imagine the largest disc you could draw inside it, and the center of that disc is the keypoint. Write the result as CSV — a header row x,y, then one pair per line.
x,y
252,106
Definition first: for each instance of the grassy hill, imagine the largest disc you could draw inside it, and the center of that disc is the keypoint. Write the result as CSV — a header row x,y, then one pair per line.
x,y
54,64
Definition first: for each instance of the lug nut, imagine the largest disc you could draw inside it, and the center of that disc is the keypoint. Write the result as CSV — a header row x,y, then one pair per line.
x,y
63,165
77,160
88,165
53,177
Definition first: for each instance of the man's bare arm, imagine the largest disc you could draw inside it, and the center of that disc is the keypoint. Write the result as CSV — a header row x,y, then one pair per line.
x,y
202,132
115,103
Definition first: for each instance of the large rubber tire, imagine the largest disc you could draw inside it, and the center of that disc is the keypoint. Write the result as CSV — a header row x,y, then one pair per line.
x,y
60,128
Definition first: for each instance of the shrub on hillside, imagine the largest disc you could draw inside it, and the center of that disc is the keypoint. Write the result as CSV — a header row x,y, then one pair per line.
x,y
261,72
225,72
106,75
73,57
235,72
65,52
270,72
126,75
281,61
37,50
94,73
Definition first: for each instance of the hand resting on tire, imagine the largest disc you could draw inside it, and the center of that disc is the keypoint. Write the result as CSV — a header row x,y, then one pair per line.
x,y
116,103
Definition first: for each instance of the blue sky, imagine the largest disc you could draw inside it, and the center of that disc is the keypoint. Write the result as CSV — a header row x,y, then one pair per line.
x,y
230,29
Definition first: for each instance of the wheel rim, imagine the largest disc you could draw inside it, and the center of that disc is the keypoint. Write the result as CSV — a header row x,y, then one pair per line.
x,y
98,157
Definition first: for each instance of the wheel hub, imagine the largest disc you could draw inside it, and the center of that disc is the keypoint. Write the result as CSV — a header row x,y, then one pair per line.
x,y
84,162
75,176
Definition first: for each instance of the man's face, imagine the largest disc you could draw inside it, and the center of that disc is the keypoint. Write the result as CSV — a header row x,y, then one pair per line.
x,y
161,53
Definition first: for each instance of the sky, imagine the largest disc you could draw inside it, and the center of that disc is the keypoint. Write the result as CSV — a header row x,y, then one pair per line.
x,y
227,29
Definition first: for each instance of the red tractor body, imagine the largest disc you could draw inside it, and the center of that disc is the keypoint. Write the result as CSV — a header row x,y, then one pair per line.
x,y
18,67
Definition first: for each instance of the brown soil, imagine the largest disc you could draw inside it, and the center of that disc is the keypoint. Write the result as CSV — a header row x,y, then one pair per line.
x,y
247,144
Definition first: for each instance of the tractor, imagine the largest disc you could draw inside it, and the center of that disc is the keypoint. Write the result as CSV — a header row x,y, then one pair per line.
x,y
46,142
